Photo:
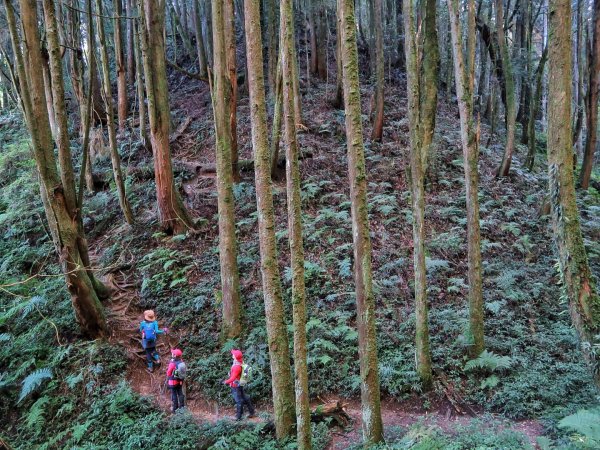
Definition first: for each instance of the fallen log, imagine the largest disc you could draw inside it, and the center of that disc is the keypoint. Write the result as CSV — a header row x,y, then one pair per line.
x,y
332,410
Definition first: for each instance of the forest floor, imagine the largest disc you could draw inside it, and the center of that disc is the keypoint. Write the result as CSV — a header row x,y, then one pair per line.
x,y
193,147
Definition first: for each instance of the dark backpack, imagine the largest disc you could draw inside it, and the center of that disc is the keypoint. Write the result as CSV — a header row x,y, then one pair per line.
x,y
148,331
180,370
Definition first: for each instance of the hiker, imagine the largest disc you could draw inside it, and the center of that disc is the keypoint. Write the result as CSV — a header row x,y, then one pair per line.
x,y
237,379
149,329
176,375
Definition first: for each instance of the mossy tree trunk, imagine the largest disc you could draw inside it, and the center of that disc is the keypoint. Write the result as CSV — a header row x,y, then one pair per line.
x,y
372,425
338,100
464,74
139,86
592,101
120,65
294,204
377,132
272,19
110,125
283,400
230,283
61,221
421,82
509,83
577,281
173,216
230,51
200,49
533,110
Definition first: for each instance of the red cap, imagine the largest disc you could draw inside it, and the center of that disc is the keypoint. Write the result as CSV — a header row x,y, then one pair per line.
x,y
237,354
176,353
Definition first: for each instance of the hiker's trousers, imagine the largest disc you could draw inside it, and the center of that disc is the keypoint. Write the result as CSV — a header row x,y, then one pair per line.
x,y
177,397
241,399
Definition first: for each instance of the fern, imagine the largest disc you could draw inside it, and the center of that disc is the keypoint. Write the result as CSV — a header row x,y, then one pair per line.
x,y
35,418
585,423
34,302
490,361
4,337
33,381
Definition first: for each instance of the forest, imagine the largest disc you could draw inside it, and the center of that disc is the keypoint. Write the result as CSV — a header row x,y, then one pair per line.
x,y
299,224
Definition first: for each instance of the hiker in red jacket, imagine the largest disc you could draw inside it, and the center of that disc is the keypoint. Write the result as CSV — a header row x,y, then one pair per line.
x,y
237,389
176,375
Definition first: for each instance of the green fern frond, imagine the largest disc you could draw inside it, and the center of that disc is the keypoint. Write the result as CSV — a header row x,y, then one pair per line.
x,y
33,381
4,337
585,423
34,302
490,361
35,418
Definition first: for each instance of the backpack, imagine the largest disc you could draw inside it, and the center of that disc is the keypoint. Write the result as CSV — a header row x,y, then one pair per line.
x,y
246,375
148,331
180,370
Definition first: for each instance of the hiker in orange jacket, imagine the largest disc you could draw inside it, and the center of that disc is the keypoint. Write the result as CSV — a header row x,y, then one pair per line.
x,y
237,390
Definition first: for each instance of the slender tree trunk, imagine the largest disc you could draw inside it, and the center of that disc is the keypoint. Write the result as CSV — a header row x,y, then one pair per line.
x,y
200,50
276,131
509,82
577,281
272,18
140,89
63,228
464,74
338,101
120,66
429,75
108,104
372,425
533,110
592,101
229,36
230,283
177,17
294,203
421,134
377,132
173,216
130,31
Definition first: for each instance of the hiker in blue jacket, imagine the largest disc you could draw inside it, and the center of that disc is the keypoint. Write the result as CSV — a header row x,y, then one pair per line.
x,y
149,329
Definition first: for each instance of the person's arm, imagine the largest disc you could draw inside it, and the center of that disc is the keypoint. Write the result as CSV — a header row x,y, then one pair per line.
x,y
141,326
171,369
158,330
236,371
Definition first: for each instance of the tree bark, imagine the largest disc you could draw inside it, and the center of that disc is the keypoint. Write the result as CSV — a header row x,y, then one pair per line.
x,y
377,132
592,102
63,227
372,425
229,36
173,216
108,104
464,74
272,18
140,88
120,66
294,203
576,279
533,110
338,101
200,50
509,83
230,283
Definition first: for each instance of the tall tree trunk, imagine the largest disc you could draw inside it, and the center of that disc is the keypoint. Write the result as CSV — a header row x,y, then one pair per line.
x,y
230,283
140,88
421,79
294,203
108,104
130,31
229,36
464,74
200,50
372,425
63,227
592,101
377,132
120,66
338,101
272,18
276,131
173,216
576,279
509,82
533,110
